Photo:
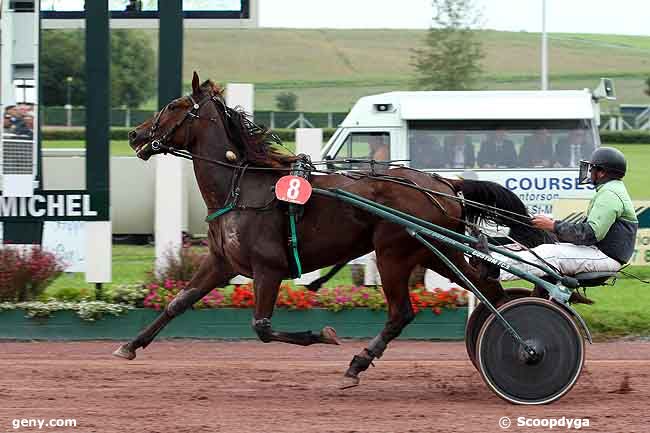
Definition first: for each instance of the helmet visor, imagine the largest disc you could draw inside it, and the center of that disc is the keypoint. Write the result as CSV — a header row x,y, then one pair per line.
x,y
584,176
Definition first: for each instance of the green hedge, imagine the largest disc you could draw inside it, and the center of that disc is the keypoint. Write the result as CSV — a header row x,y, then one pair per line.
x,y
72,134
626,137
79,134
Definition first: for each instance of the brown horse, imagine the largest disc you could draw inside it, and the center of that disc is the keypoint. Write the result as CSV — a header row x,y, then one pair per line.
x,y
235,164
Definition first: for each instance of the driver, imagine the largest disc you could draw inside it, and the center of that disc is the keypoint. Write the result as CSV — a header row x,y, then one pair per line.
x,y
604,240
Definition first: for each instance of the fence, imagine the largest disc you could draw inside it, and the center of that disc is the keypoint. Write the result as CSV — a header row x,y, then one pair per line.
x,y
638,119
60,116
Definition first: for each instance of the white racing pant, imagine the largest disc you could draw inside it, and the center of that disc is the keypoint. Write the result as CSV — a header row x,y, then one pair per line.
x,y
569,259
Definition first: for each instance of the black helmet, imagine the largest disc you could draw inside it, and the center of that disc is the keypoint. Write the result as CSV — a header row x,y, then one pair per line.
x,y
607,158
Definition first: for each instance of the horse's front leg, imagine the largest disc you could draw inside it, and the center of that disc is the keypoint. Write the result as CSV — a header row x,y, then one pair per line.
x,y
267,284
212,273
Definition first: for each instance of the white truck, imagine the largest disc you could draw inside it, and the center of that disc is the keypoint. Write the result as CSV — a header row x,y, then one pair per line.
x,y
529,141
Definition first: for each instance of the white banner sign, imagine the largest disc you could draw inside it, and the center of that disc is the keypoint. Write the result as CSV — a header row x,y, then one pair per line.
x,y
538,188
67,240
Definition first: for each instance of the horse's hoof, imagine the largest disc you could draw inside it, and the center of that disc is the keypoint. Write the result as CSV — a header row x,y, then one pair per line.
x,y
124,353
349,382
328,336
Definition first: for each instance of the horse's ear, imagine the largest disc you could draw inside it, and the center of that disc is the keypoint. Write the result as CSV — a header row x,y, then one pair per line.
x,y
196,83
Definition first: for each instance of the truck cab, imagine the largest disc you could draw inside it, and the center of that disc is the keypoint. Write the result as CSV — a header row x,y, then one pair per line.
x,y
529,141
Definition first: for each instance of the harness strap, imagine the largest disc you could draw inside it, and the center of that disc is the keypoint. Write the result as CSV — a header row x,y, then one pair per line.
x,y
295,266
213,216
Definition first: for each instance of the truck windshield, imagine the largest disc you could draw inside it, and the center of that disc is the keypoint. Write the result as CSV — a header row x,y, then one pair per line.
x,y
500,144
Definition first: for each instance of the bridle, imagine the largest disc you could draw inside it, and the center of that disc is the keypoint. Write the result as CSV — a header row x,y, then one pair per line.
x,y
191,114
161,143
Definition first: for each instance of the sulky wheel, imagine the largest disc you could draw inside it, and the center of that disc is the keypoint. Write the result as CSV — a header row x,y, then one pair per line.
x,y
480,315
559,345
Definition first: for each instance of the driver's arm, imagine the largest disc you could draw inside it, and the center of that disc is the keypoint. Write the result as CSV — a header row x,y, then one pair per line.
x,y
606,208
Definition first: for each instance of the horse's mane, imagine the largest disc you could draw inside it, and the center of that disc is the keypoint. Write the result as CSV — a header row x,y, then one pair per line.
x,y
255,141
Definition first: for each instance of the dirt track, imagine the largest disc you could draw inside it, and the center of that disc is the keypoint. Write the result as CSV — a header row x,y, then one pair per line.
x,y
192,386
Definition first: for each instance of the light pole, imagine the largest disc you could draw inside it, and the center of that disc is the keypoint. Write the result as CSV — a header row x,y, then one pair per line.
x,y
544,49
68,105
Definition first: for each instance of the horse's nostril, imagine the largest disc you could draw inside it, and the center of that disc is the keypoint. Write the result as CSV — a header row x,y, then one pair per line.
x,y
132,135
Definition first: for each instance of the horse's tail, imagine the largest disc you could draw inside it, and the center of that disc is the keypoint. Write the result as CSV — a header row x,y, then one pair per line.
x,y
494,195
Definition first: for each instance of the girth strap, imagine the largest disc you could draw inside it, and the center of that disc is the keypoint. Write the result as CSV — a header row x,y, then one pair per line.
x,y
213,216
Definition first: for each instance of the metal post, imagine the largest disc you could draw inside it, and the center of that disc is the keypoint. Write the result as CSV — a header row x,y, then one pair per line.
x,y
330,120
272,120
68,105
170,58
170,187
98,233
544,49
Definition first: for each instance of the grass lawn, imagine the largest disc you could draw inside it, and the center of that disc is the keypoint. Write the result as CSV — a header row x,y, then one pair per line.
x,y
636,179
619,310
118,147
132,265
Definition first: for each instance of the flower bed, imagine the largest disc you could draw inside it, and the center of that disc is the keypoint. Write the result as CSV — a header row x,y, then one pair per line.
x,y
332,299
355,312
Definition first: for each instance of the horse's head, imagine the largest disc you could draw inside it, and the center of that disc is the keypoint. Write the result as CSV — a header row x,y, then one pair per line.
x,y
172,126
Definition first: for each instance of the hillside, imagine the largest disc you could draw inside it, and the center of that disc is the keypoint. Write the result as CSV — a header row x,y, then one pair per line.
x,y
330,69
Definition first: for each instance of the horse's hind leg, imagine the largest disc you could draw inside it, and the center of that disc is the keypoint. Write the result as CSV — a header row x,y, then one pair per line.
x,y
212,273
394,276
267,285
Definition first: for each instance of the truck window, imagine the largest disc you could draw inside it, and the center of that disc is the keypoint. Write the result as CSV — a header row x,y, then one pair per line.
x,y
500,144
364,145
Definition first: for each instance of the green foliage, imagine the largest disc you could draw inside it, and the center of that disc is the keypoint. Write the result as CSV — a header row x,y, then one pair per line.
x,y
452,54
89,311
625,137
132,67
70,294
286,101
70,134
647,86
62,56
129,294
133,73
180,265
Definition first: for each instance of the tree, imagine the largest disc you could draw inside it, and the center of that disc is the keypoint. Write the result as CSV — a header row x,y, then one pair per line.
x,y
133,72
62,56
451,59
286,101
647,86
132,67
